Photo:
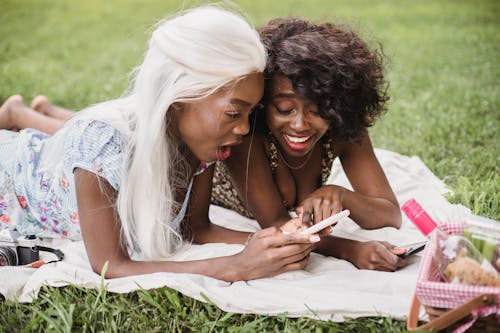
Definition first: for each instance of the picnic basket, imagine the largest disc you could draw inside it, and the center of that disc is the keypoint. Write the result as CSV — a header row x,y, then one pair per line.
x,y
456,307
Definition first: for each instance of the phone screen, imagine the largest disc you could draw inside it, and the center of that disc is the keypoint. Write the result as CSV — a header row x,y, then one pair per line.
x,y
412,249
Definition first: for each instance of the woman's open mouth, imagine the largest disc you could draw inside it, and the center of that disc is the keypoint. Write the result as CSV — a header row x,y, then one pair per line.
x,y
297,143
223,152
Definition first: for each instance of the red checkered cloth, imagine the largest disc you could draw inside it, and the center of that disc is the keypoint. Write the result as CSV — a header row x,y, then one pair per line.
x,y
433,291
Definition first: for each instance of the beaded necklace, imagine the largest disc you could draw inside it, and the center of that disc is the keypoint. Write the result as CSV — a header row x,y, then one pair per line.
x,y
297,167
327,158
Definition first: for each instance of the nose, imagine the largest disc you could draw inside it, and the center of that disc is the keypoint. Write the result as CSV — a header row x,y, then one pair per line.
x,y
299,122
243,126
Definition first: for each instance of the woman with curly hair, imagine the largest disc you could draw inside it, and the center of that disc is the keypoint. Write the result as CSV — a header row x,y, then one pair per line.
x,y
324,88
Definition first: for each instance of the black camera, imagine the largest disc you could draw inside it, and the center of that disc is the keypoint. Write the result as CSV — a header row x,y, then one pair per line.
x,y
17,250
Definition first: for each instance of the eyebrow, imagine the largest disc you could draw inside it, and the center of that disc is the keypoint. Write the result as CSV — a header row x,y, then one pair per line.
x,y
284,95
239,102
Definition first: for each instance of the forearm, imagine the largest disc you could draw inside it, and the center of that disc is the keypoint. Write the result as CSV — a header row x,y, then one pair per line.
x,y
371,213
374,255
341,248
268,253
222,268
212,233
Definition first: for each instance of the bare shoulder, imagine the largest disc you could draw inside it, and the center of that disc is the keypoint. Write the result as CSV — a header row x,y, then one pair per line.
x,y
350,148
90,187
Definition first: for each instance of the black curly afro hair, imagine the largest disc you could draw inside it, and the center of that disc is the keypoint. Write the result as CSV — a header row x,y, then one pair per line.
x,y
330,66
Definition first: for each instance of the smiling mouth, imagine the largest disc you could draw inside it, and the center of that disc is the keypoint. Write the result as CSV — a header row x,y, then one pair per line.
x,y
297,142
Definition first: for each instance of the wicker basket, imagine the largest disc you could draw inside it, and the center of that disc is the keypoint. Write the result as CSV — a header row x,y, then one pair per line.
x,y
454,306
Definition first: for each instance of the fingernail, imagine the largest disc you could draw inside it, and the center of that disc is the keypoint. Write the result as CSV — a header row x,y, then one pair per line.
x,y
314,238
398,250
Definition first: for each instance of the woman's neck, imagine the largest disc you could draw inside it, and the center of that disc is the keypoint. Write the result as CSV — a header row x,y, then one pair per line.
x,y
294,162
192,161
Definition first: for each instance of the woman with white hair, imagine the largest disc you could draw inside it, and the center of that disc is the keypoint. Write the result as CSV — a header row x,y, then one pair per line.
x,y
132,176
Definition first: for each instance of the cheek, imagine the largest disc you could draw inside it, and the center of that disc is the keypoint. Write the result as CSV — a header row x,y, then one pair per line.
x,y
321,126
275,122
198,130
208,127
210,124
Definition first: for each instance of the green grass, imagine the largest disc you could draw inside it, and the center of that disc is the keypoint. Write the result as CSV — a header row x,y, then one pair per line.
x,y
443,74
163,310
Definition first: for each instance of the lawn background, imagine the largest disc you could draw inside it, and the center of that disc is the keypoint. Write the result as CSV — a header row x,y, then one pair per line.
x,y
443,69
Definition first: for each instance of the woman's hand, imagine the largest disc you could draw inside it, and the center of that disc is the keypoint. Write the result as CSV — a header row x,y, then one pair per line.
x,y
320,204
377,255
270,252
294,225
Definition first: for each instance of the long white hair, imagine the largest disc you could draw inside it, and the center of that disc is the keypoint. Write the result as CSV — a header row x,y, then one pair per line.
x,y
190,56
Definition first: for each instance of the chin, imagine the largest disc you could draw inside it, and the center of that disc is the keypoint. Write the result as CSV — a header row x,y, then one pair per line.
x,y
295,153
208,159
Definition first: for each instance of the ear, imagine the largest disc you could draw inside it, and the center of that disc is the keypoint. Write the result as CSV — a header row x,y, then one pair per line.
x,y
177,106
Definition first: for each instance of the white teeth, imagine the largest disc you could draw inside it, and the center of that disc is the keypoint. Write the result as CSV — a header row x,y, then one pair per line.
x,y
295,139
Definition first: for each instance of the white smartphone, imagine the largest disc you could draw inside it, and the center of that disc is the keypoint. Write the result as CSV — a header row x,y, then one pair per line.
x,y
326,223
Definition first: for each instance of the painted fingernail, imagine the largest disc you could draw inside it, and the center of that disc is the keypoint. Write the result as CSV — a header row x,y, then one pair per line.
x,y
314,238
398,251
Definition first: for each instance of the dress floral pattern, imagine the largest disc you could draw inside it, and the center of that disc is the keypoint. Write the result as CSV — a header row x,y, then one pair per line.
x,y
37,186
37,192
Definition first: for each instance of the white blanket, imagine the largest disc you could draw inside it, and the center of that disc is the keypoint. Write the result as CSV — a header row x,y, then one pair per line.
x,y
328,289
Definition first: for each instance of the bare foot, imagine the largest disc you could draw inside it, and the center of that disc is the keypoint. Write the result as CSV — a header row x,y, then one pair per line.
x,y
13,105
41,104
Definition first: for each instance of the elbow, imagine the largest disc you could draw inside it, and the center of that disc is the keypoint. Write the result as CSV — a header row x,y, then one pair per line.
x,y
109,269
397,220
393,218
390,218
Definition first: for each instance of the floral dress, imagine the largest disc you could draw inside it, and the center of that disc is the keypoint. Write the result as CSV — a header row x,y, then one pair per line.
x,y
37,190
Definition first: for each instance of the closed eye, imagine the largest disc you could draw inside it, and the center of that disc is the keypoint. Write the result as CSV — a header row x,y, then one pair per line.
x,y
233,115
284,111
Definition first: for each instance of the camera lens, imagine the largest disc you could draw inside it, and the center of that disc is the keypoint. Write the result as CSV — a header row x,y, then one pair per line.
x,y
8,256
